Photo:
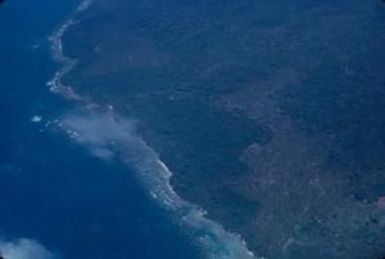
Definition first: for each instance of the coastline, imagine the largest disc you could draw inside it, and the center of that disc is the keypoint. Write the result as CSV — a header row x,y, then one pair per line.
x,y
66,63
154,173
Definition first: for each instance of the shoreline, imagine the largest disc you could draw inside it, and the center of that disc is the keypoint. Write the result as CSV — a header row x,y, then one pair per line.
x,y
155,175
66,64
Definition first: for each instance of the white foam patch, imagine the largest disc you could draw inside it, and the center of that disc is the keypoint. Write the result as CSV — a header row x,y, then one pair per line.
x,y
36,119
24,248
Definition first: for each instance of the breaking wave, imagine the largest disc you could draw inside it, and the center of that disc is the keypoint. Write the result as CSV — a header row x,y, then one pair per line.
x,y
108,135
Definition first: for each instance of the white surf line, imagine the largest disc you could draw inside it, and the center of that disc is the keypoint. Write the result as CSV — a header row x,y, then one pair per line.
x,y
218,243
107,136
67,63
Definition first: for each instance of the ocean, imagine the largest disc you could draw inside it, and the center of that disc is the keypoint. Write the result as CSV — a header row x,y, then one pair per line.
x,y
192,129
58,200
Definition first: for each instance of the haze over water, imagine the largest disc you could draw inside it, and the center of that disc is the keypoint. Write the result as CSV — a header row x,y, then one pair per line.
x,y
57,200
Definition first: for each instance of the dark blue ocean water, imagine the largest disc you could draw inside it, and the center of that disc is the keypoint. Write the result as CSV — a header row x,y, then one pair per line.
x,y
52,190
